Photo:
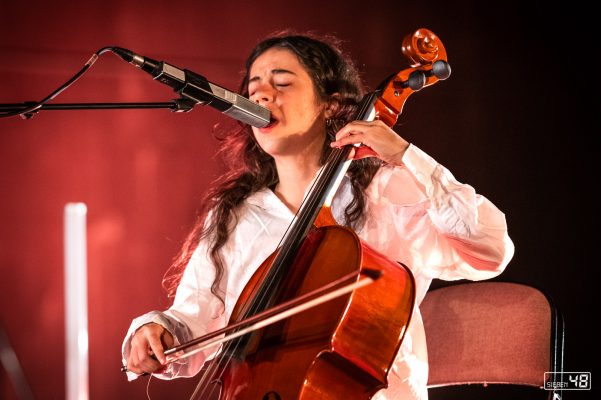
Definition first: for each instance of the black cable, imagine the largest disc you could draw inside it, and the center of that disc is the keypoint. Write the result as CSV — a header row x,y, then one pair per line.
x,y
28,112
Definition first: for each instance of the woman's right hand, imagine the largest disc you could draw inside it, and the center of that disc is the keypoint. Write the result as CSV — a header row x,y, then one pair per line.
x,y
146,354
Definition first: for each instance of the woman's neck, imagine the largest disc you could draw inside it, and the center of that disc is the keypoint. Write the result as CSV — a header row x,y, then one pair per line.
x,y
295,174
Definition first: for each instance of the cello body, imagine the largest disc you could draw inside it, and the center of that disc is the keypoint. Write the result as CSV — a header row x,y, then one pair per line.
x,y
313,355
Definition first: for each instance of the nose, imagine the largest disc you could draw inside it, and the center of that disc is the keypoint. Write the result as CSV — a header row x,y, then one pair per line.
x,y
263,94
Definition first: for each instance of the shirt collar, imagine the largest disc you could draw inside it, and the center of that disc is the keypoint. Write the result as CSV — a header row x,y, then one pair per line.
x,y
267,200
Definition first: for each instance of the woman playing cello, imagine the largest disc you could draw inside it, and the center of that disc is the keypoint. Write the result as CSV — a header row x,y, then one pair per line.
x,y
394,196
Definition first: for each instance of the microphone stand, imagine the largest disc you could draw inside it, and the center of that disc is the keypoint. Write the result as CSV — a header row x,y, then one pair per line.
x,y
177,105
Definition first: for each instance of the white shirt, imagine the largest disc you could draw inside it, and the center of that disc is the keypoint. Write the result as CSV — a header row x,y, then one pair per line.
x,y
417,214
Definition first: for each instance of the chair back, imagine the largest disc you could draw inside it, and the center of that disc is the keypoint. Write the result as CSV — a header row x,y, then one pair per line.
x,y
492,332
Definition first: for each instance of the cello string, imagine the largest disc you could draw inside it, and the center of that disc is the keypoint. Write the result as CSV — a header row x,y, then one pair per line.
x,y
221,362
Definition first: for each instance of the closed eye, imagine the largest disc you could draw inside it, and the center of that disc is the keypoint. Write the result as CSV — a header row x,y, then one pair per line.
x,y
252,90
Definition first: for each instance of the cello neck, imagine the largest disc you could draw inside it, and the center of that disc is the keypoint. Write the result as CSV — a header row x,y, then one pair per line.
x,y
327,182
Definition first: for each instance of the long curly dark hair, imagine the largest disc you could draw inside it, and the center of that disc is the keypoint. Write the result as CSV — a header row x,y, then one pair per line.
x,y
250,169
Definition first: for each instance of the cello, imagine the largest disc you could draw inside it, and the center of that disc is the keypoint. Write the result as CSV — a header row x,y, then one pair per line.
x,y
327,353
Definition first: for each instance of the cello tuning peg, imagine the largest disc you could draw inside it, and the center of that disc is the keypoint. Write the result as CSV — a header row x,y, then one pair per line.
x,y
417,80
441,69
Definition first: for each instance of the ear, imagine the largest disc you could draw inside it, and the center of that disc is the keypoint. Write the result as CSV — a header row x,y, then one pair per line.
x,y
332,105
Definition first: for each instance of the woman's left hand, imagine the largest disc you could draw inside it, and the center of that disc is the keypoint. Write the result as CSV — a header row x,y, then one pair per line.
x,y
376,139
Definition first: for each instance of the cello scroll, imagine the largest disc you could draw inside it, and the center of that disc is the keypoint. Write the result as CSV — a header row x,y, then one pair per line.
x,y
429,64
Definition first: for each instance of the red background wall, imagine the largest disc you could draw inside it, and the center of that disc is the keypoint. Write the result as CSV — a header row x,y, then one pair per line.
x,y
509,121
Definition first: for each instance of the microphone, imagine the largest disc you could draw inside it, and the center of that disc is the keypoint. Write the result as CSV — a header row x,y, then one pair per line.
x,y
197,88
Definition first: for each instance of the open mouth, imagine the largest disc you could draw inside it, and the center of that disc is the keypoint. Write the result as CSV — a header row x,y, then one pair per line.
x,y
272,122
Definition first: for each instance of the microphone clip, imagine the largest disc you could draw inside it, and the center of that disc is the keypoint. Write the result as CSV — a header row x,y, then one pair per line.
x,y
183,105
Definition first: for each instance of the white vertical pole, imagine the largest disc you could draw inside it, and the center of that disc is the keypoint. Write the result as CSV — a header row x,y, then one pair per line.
x,y
76,303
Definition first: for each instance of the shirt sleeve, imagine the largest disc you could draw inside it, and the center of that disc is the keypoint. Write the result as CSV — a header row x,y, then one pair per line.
x,y
441,228
195,312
